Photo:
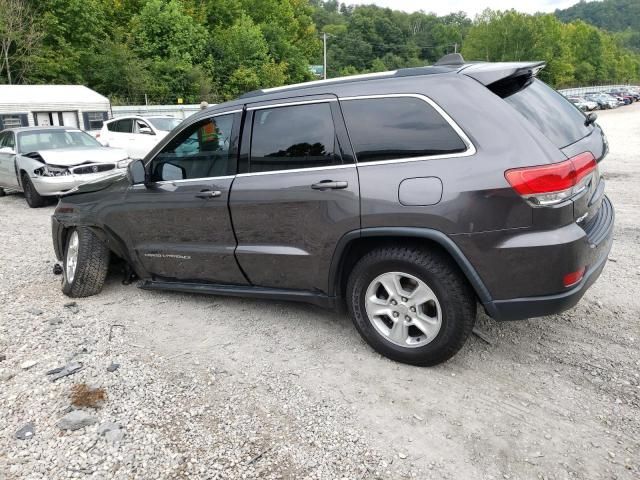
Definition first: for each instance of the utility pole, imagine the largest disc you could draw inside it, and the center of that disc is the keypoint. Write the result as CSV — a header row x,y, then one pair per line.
x,y
455,47
324,66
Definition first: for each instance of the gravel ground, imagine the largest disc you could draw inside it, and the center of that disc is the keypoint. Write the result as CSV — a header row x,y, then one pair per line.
x,y
211,387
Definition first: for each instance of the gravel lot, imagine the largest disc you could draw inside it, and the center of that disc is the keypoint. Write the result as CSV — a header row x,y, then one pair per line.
x,y
211,387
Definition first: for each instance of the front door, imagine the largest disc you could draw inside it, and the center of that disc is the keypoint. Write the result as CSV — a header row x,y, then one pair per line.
x,y
298,196
8,177
180,222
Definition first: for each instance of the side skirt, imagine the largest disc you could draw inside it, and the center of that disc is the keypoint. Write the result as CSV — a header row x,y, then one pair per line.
x,y
318,299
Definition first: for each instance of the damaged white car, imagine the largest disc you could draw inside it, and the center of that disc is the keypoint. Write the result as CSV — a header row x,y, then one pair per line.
x,y
49,161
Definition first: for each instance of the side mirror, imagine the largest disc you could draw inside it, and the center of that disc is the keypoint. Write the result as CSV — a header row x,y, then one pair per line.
x,y
136,172
169,171
146,131
8,150
591,119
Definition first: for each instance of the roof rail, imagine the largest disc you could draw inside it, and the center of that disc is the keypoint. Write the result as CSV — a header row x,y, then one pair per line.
x,y
451,59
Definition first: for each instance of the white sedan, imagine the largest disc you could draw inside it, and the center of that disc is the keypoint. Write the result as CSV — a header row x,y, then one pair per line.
x,y
49,161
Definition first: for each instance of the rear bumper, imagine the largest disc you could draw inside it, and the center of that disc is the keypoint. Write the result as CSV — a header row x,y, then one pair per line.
x,y
599,239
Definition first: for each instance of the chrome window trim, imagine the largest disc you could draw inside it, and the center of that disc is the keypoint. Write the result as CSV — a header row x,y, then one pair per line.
x,y
471,149
297,170
188,180
292,104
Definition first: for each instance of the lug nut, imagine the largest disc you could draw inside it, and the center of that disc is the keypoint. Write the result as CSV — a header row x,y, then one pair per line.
x,y
413,309
395,314
404,299
407,318
393,302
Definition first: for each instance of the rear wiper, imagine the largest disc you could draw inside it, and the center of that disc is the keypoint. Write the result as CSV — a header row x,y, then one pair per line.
x,y
591,119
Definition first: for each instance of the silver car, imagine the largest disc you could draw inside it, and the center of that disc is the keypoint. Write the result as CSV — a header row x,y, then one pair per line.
x,y
49,161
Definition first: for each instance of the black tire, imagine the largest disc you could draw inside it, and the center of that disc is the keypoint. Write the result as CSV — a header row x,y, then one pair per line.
x,y
2,192
91,268
31,195
439,272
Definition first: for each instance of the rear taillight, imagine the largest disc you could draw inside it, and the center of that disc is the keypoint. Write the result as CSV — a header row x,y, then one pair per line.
x,y
570,279
554,183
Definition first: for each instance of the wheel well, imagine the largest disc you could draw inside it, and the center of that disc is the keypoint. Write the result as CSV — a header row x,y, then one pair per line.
x,y
359,247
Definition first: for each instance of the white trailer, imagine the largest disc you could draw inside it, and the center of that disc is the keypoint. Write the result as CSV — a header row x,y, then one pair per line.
x,y
47,105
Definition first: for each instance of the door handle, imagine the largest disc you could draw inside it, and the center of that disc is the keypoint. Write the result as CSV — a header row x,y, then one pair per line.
x,y
329,185
209,194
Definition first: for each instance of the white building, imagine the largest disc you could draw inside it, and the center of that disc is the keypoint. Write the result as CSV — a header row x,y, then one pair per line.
x,y
68,105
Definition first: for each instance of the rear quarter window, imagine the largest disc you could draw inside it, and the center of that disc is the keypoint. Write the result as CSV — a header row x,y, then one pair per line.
x,y
390,128
552,114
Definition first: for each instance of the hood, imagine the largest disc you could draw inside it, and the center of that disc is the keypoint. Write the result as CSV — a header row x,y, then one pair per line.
x,y
114,178
70,157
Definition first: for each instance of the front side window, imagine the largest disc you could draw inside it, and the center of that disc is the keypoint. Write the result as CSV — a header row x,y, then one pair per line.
x,y
393,128
202,150
140,125
6,140
290,137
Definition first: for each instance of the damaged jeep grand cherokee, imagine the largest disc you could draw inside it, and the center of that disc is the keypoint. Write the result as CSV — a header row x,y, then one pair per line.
x,y
413,196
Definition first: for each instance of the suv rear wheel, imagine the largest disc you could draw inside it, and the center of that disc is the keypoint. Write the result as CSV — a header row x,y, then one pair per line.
x,y
411,305
86,262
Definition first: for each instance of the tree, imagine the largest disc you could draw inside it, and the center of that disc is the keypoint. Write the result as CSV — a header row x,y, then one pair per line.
x,y
19,38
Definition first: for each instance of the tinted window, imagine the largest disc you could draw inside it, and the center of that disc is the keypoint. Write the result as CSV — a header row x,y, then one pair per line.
x,y
95,120
558,119
398,127
112,126
300,136
124,125
202,150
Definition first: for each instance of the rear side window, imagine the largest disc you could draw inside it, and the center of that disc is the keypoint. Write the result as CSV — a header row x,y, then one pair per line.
x,y
122,126
393,128
557,118
299,136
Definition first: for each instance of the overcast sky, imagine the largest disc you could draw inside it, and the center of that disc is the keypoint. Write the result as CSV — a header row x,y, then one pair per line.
x,y
472,7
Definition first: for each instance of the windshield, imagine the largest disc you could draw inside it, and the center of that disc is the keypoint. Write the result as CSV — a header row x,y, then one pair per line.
x,y
558,119
166,124
53,139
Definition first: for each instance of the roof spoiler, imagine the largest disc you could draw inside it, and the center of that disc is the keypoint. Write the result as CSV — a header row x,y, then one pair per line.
x,y
489,73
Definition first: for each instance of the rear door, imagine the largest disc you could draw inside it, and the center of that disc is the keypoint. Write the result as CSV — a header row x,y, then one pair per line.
x,y
297,193
120,132
179,223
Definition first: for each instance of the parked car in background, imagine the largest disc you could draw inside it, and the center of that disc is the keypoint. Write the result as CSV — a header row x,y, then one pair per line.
x,y
605,102
626,94
358,190
583,104
623,99
136,134
49,161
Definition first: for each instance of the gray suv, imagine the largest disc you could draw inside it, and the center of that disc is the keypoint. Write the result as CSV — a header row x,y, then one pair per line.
x,y
413,197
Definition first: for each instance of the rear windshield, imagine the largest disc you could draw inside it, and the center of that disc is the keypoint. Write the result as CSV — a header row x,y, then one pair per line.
x,y
164,123
558,119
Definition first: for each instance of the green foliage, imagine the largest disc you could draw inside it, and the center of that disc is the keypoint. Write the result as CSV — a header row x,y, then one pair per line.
x,y
218,49
612,15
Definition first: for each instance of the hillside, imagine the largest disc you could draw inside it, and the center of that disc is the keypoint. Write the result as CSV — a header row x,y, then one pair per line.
x,y
612,15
